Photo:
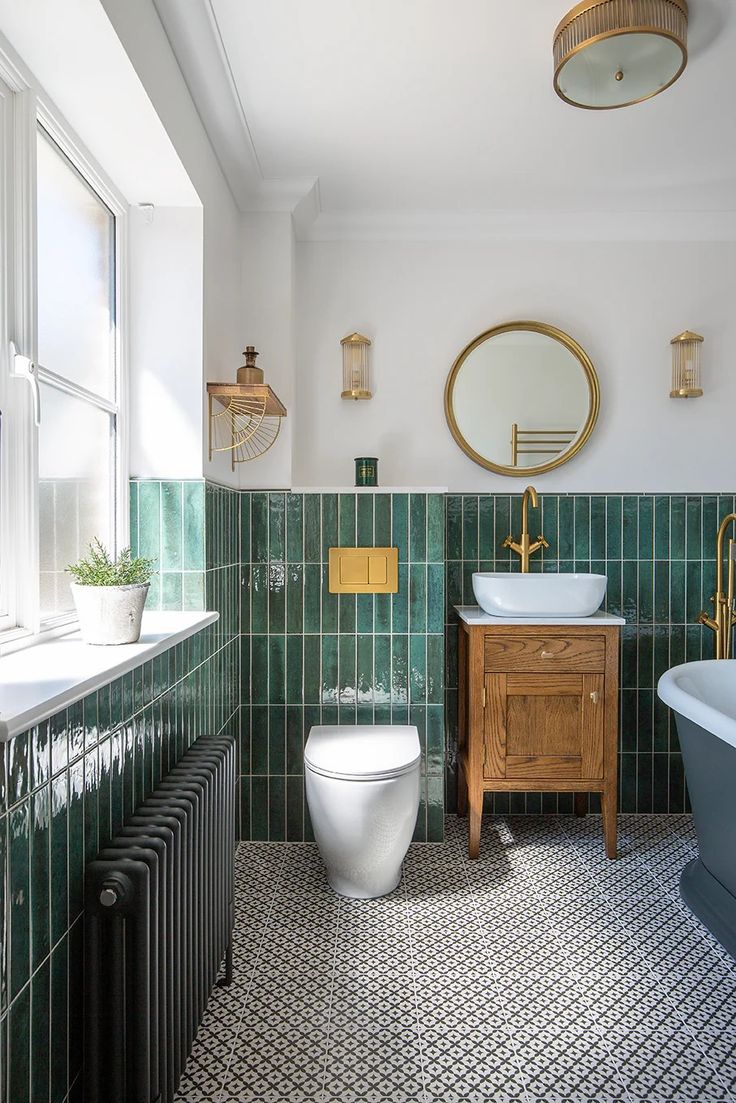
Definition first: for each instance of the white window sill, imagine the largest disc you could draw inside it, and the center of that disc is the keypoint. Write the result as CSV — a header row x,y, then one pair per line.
x,y
41,680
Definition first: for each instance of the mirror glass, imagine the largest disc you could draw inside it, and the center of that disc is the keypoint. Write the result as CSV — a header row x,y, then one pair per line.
x,y
522,398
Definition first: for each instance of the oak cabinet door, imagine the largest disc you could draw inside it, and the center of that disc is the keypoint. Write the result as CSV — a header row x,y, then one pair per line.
x,y
543,726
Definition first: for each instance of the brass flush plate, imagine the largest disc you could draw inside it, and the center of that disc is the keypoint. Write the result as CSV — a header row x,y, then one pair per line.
x,y
364,570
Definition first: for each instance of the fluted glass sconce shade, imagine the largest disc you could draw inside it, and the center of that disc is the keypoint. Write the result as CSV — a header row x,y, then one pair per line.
x,y
614,53
356,380
686,381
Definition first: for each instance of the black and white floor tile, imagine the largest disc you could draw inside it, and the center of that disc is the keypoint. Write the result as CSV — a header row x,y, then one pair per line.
x,y
541,973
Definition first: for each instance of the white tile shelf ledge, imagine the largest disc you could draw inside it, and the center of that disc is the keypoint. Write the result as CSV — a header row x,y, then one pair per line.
x,y
41,680
363,490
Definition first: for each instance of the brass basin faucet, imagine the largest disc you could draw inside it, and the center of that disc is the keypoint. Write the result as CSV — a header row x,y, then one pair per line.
x,y
525,547
724,615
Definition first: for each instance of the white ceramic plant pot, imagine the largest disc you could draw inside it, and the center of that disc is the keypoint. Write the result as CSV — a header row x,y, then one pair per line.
x,y
110,614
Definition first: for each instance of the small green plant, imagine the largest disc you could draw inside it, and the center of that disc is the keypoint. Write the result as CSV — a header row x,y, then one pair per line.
x,y
100,569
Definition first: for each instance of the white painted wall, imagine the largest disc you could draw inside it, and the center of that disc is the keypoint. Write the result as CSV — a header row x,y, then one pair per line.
x,y
267,321
139,29
165,350
422,302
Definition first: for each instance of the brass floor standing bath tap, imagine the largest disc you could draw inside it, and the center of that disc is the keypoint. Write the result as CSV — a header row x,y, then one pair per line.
x,y
525,547
724,615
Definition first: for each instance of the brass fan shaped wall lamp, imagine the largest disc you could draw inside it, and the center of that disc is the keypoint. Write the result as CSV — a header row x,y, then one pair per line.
x,y
615,53
245,416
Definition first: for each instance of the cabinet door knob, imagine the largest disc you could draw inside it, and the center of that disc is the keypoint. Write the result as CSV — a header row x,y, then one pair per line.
x,y
548,654
594,696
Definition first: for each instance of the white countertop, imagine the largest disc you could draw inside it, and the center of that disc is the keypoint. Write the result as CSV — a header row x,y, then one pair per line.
x,y
473,614
37,682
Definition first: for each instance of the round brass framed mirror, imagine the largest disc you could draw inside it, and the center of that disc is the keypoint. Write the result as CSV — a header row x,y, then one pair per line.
x,y
522,398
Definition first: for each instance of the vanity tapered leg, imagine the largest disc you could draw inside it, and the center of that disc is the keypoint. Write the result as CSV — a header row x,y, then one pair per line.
x,y
610,821
462,791
475,801
581,804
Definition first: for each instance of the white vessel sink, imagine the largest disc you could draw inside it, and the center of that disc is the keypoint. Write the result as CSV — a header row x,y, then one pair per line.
x,y
539,595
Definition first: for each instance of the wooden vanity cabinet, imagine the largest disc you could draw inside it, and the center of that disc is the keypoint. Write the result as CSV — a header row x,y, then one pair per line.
x,y
538,711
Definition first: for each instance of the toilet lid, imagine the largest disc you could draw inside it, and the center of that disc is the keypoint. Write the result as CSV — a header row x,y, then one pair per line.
x,y
362,751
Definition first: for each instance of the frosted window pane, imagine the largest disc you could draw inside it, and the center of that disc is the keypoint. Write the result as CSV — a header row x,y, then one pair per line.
x,y
76,299
76,490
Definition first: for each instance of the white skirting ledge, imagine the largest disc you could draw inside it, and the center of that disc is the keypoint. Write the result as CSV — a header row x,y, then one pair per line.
x,y
39,681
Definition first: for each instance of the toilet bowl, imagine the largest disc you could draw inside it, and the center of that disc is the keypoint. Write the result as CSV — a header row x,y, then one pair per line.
x,y
362,785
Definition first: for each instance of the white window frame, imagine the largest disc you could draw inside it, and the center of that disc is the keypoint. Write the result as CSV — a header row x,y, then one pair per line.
x,y
19,495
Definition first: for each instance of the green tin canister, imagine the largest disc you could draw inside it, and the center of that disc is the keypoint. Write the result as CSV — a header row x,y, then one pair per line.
x,y
366,471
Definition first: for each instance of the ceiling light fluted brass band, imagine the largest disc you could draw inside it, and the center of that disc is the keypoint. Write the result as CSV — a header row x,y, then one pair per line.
x,y
593,21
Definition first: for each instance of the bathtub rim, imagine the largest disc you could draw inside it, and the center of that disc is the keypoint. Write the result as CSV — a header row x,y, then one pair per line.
x,y
671,690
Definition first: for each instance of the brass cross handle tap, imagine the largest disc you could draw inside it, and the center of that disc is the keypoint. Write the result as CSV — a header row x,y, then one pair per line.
x,y
525,547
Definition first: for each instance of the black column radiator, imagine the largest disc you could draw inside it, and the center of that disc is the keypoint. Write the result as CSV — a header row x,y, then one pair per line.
x,y
159,916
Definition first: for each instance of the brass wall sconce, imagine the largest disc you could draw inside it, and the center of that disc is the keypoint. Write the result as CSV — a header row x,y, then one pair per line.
x,y
356,378
245,416
686,362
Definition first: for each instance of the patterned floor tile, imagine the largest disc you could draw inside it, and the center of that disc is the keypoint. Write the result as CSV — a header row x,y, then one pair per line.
x,y
541,973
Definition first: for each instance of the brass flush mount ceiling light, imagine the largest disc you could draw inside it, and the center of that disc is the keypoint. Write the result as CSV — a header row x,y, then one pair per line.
x,y
614,53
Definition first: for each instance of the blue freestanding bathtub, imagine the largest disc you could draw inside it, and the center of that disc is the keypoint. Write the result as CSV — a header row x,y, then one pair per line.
x,y
703,697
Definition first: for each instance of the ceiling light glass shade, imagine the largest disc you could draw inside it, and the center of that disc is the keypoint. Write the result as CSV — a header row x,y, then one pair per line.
x,y
613,53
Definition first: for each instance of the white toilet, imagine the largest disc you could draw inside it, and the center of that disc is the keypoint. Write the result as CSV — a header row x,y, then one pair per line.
x,y
363,794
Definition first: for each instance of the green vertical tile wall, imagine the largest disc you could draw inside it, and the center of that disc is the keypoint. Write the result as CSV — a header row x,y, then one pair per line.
x,y
311,657
66,785
167,523
659,555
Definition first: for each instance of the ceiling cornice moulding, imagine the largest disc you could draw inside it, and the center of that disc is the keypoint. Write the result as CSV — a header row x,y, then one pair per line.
x,y
195,39
553,226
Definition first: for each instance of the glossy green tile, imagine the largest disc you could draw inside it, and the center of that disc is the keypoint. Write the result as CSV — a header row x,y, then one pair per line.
x,y
133,511
40,1033
646,527
277,670
400,525
582,527
149,520
435,528
454,523
329,672
347,670
364,521
312,528
59,1019
400,670
694,527
294,665
346,613
382,520
295,528
295,597
259,527
418,523
276,740
18,883
294,808
418,669
276,809
276,527
346,521
172,529
566,522
19,1051
417,597
312,597
330,528
330,605
662,526
364,669
75,837
19,769
172,591
470,527
40,850
662,591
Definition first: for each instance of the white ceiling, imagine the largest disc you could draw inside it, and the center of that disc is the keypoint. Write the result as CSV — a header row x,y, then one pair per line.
x,y
419,105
